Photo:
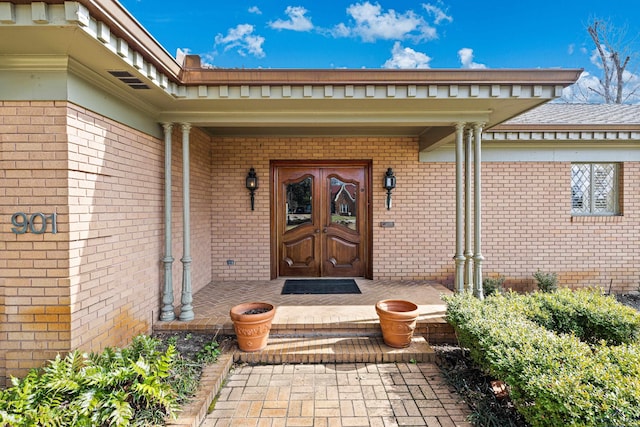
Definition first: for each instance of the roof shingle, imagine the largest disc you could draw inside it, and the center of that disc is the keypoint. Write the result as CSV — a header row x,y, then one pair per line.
x,y
579,114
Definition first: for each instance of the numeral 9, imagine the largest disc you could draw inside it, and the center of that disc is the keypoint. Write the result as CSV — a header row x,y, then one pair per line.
x,y
20,222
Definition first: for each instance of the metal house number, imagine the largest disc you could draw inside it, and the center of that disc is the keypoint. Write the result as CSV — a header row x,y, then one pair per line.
x,y
36,223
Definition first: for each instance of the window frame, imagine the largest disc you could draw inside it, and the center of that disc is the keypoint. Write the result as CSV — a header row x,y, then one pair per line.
x,y
616,189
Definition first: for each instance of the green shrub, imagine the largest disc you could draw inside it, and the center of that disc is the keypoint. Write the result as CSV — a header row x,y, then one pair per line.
x,y
554,379
547,282
587,313
492,285
107,389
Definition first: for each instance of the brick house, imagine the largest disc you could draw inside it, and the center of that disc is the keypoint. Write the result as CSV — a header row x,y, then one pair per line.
x,y
123,177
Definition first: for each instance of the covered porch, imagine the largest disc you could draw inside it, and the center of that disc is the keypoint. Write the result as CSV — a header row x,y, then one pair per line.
x,y
256,121
318,315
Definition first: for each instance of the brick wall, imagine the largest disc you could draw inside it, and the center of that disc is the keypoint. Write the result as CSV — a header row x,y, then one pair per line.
x,y
528,226
411,250
526,215
115,230
34,268
118,178
97,282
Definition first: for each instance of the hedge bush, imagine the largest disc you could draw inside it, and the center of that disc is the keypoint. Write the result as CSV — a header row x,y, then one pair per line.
x,y
554,379
588,314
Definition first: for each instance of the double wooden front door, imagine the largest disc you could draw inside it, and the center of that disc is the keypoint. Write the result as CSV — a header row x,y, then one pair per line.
x,y
320,223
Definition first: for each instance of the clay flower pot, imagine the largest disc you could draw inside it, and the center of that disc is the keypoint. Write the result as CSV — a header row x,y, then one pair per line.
x,y
397,321
252,323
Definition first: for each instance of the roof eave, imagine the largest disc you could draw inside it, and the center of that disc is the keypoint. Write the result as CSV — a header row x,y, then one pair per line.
x,y
194,74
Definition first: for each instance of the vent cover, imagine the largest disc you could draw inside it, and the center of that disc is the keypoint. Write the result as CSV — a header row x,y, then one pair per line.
x,y
129,79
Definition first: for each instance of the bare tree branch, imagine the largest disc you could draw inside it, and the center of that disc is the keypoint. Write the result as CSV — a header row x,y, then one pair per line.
x,y
611,47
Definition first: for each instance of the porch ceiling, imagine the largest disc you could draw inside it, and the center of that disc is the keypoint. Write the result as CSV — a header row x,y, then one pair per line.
x,y
94,38
432,120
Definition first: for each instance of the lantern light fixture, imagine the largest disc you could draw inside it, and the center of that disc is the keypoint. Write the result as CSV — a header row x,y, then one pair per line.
x,y
252,185
389,185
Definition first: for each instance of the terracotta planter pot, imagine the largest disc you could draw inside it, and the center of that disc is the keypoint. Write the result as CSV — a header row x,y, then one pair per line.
x,y
397,321
252,323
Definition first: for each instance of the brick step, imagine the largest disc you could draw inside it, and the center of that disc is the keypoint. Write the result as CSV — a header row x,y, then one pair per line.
x,y
435,331
323,349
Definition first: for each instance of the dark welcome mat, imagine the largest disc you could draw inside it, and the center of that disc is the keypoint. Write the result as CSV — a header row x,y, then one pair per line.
x,y
320,286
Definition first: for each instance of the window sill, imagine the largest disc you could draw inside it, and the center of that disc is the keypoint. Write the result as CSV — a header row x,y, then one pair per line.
x,y
590,219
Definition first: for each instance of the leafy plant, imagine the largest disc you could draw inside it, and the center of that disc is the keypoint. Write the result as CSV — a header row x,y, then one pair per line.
x,y
209,352
547,282
492,285
107,389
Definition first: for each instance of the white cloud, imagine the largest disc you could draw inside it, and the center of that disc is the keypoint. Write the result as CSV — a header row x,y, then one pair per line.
x,y
297,20
208,60
571,49
370,23
255,9
405,57
243,40
466,59
439,14
579,92
340,30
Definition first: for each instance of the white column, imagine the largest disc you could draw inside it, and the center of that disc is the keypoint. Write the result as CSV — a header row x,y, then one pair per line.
x,y
186,300
167,313
478,258
459,256
468,252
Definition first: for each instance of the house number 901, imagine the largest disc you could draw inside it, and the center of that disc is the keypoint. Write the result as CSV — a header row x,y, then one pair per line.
x,y
35,223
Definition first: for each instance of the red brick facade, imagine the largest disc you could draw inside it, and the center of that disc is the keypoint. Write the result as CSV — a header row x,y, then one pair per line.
x,y
97,282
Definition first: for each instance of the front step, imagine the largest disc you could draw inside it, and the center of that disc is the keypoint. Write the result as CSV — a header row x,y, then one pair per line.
x,y
324,349
434,330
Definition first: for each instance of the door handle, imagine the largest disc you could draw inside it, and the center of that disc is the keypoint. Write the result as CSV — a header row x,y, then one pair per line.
x,y
317,230
324,230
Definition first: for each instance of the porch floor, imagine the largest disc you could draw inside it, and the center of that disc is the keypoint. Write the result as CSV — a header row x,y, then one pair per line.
x,y
322,330
333,315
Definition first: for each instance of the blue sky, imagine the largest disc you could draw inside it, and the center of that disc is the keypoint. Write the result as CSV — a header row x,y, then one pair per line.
x,y
385,33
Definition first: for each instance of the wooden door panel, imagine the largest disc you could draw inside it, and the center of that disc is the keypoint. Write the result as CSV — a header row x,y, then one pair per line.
x,y
344,221
321,219
298,243
298,257
342,257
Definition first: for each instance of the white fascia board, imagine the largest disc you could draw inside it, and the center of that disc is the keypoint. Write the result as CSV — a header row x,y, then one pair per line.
x,y
575,152
33,85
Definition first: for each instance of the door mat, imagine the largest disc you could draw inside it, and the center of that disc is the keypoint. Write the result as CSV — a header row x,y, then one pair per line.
x,y
320,286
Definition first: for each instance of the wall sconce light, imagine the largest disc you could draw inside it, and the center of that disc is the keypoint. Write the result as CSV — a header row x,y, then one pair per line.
x,y
389,184
252,185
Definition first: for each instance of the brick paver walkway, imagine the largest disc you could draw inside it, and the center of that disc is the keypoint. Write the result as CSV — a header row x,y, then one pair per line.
x,y
400,394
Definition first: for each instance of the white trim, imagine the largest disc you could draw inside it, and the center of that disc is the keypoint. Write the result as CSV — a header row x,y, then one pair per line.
x,y
57,84
575,152
562,136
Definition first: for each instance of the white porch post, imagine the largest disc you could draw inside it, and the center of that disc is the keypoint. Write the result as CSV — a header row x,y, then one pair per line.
x,y
459,257
478,258
468,252
186,300
167,312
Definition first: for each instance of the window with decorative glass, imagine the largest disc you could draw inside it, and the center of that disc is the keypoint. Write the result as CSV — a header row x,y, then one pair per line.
x,y
594,189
